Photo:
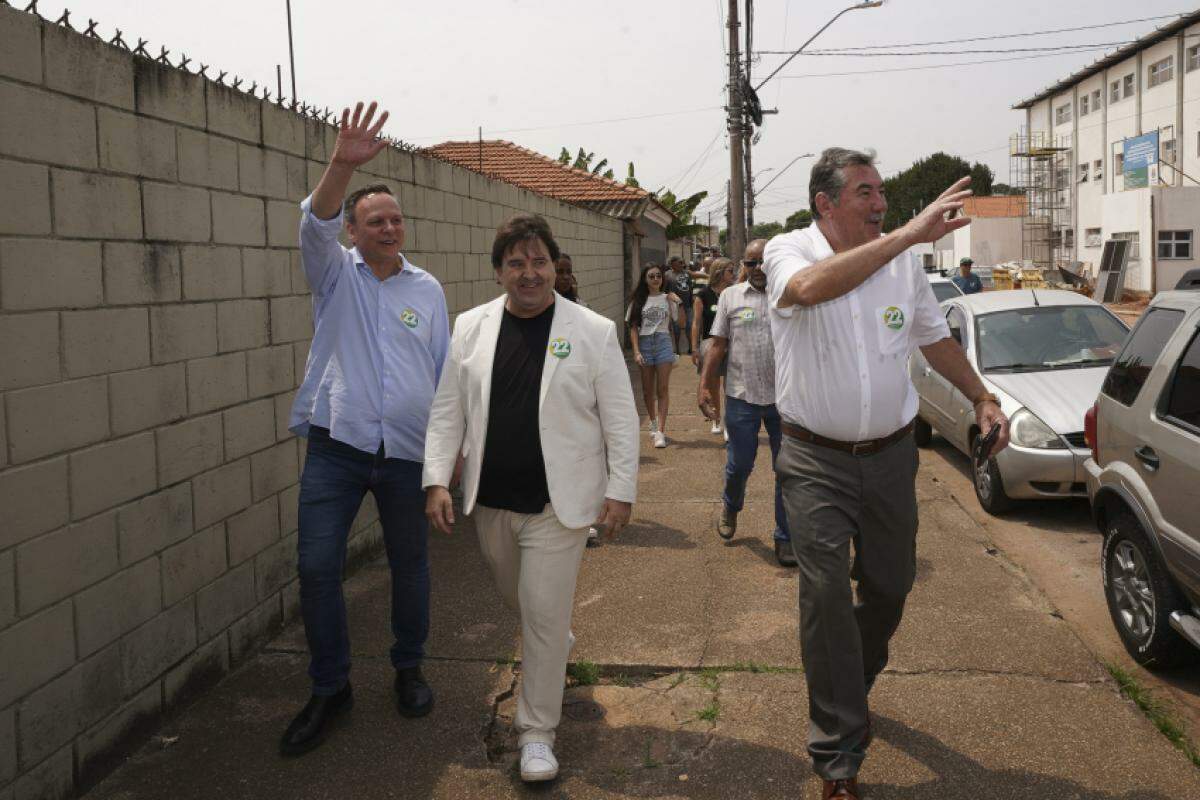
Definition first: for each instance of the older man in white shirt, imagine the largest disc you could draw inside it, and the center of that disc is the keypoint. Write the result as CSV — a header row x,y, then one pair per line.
x,y
848,306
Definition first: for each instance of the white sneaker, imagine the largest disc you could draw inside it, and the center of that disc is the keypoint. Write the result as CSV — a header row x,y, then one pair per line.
x,y
660,439
716,428
653,426
538,762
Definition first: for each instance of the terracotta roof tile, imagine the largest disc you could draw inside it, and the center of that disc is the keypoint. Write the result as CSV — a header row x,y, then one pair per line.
x,y
533,171
995,206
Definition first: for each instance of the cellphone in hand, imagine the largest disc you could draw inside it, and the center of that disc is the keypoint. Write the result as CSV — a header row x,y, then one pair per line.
x,y
984,448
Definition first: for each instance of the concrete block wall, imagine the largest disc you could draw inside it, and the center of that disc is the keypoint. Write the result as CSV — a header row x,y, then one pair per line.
x,y
154,323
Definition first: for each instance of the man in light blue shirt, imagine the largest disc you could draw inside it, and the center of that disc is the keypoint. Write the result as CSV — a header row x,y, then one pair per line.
x,y
381,336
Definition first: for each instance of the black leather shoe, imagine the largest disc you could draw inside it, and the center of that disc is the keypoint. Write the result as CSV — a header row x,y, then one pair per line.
x,y
312,724
784,554
414,698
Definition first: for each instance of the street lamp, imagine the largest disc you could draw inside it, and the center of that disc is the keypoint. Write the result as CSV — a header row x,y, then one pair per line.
x,y
736,110
785,169
855,7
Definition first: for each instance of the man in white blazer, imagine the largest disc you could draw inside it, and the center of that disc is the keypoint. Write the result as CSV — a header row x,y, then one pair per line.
x,y
535,395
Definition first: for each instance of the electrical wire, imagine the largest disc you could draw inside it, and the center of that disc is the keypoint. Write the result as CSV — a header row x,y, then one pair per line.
x,y
927,66
680,182
893,54
997,36
492,131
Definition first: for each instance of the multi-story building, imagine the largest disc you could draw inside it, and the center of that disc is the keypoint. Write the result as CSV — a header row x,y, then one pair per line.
x,y
1141,103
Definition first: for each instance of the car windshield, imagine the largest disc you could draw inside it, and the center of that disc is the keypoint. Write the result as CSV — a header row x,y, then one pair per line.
x,y
1048,337
944,290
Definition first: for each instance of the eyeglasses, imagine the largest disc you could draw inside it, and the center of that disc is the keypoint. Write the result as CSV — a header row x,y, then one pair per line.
x,y
753,263
654,276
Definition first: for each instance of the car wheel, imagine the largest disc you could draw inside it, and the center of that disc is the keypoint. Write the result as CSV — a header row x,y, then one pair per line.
x,y
989,489
1141,596
922,432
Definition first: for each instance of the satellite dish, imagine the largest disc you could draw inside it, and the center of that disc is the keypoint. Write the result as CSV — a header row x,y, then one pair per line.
x,y
751,104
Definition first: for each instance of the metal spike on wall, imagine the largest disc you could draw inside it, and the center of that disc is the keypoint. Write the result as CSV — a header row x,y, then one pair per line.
x,y
184,61
140,50
91,29
118,41
65,20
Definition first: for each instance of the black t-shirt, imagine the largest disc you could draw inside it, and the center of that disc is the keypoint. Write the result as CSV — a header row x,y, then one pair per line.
x,y
709,298
513,475
681,284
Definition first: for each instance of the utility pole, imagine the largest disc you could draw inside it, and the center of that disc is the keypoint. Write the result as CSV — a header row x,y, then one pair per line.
x,y
737,191
748,130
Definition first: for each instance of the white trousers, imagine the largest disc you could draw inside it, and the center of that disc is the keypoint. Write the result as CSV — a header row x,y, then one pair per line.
x,y
535,560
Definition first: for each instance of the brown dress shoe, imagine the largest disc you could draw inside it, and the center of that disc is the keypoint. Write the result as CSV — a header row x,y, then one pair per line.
x,y
844,789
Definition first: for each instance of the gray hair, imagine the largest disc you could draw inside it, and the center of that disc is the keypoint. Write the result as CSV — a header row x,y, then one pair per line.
x,y
827,176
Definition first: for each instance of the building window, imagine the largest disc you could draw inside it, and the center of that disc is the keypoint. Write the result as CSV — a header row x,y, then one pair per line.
x,y
1127,85
1098,169
1083,106
1193,58
1135,246
1118,170
1175,244
1161,71
1068,238
1096,100
1114,94
1166,136
1062,114
1083,172
1091,237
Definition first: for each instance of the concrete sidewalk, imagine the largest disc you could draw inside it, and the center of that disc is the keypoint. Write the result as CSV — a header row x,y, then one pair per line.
x,y
988,694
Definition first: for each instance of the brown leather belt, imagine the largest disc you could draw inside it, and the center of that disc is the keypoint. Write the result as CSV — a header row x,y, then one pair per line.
x,y
868,448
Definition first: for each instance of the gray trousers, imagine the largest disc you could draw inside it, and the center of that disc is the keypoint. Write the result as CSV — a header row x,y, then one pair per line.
x,y
834,499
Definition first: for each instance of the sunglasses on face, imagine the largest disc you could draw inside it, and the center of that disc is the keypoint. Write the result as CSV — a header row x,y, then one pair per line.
x,y
753,263
653,276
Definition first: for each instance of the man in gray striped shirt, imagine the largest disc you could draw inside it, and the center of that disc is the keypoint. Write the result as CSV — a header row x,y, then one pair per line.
x,y
742,329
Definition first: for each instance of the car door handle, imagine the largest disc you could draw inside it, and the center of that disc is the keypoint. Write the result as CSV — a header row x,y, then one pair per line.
x,y
1147,456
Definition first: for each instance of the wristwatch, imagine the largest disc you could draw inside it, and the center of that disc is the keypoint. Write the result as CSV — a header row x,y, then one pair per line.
x,y
985,398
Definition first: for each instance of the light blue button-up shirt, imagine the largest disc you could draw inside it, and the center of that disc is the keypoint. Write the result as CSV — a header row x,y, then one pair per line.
x,y
378,346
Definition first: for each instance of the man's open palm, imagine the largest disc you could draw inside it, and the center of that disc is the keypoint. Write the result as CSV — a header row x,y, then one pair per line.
x,y
357,141
931,224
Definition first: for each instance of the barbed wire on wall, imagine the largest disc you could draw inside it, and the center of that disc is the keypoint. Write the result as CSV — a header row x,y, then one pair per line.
x,y
324,115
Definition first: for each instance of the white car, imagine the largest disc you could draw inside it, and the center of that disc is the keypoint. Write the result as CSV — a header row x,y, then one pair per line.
x,y
1044,353
943,288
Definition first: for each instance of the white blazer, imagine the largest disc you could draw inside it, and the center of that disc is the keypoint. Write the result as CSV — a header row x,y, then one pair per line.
x,y
589,423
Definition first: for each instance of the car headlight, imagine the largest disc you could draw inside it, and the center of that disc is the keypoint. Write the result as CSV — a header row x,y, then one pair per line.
x,y
1026,430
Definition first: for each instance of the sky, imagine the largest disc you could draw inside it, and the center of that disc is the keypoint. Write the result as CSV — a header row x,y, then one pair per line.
x,y
644,80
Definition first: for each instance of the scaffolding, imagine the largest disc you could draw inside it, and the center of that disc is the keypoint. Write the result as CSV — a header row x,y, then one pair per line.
x,y
1040,165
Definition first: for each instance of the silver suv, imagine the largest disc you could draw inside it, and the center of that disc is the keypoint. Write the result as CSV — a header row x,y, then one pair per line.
x,y
1143,479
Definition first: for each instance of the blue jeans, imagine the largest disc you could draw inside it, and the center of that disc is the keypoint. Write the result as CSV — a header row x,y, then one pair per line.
x,y
335,480
742,421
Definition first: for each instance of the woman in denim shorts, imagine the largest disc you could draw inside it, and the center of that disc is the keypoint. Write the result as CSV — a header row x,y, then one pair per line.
x,y
649,315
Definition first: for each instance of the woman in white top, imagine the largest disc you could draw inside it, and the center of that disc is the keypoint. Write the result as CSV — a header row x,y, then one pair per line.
x,y
649,315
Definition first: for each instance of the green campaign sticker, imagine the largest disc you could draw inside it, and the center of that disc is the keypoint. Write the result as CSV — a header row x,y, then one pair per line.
x,y
560,347
893,318
746,315
409,317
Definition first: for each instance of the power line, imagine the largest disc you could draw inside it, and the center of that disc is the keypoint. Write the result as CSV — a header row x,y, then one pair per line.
x,y
578,124
893,54
1005,35
678,184
927,66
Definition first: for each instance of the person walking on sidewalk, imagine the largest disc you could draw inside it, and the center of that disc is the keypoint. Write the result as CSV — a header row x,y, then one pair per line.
x,y
537,396
650,309
381,335
742,330
704,304
680,284
849,304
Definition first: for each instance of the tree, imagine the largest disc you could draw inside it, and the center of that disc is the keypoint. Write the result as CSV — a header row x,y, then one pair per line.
x,y
764,230
683,209
583,161
1004,188
801,219
909,191
630,179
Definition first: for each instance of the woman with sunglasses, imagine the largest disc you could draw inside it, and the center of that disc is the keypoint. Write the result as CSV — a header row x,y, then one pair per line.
x,y
649,315
705,310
